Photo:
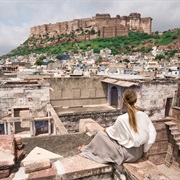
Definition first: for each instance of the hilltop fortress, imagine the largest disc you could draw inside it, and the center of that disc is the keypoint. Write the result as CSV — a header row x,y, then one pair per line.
x,y
102,25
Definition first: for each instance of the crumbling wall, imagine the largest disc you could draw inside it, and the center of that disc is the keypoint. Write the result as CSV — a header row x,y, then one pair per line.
x,y
34,96
153,97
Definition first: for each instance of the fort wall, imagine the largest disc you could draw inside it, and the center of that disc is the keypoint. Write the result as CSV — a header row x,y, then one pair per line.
x,y
109,26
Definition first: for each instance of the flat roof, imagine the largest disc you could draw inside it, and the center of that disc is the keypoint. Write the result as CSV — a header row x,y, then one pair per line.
x,y
128,77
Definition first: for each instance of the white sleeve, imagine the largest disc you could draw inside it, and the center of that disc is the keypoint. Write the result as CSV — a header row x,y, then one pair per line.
x,y
152,136
118,132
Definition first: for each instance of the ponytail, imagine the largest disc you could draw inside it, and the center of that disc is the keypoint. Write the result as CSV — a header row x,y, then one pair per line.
x,y
129,99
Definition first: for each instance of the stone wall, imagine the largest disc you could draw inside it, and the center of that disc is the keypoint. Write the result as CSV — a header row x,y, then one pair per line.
x,y
176,115
158,150
153,97
123,24
34,96
175,109
113,31
104,118
77,91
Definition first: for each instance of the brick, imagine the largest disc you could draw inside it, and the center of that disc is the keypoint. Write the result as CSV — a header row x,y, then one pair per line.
x,y
37,165
4,173
7,150
50,173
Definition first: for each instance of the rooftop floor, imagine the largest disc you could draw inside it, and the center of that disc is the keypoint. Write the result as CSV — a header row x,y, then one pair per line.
x,y
80,109
64,145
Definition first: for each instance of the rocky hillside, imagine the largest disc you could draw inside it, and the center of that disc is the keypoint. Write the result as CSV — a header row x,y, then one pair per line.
x,y
143,42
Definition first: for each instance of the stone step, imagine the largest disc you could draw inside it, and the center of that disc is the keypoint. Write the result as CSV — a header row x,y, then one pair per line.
x,y
170,123
177,139
178,143
175,134
173,129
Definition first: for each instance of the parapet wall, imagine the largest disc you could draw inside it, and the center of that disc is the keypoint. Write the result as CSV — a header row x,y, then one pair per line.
x,y
101,22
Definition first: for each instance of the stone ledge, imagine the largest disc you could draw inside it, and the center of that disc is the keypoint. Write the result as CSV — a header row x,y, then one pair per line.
x,y
75,167
89,126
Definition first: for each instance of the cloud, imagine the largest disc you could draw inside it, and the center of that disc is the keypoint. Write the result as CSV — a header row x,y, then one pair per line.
x,y
12,36
17,16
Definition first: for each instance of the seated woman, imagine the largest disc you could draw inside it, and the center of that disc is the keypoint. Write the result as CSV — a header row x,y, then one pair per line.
x,y
127,140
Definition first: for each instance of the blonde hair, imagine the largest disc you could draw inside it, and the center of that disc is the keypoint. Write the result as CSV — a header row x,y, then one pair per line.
x,y
129,99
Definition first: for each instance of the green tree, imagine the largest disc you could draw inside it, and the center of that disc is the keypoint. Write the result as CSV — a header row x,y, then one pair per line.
x,y
93,31
59,57
159,57
99,33
41,57
126,60
39,62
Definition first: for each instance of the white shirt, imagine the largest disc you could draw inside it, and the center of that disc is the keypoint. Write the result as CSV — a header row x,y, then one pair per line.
x,y
125,135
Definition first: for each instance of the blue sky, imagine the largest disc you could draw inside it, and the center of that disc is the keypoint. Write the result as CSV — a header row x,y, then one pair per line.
x,y
18,16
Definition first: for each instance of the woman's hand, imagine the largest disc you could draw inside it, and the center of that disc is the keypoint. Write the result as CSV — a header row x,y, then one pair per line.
x,y
104,129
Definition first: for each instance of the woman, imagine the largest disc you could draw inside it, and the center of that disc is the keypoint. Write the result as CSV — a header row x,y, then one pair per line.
x,y
127,140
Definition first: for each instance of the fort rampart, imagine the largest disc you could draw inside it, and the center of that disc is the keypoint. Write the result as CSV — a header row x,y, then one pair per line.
x,y
106,25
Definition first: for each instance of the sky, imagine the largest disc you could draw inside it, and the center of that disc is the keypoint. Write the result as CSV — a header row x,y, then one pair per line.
x,y
18,16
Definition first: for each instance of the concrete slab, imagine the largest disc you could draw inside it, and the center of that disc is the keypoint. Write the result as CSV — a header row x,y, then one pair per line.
x,y
38,154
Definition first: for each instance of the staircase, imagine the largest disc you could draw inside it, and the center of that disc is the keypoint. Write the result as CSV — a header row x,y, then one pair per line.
x,y
173,151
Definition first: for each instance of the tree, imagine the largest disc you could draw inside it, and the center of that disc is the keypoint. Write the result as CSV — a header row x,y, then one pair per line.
x,y
159,57
93,31
99,33
126,60
39,62
59,57
41,57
